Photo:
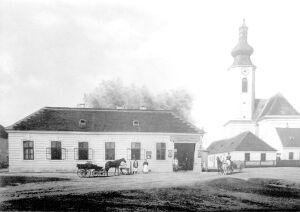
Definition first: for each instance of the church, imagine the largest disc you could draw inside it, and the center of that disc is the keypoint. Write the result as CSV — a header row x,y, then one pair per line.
x,y
273,123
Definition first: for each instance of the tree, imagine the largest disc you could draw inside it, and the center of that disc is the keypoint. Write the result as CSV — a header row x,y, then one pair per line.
x,y
113,94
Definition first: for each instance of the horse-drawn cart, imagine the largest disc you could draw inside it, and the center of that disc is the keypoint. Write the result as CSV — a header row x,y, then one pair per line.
x,y
229,167
90,170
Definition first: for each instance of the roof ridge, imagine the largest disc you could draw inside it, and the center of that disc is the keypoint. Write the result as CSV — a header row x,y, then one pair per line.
x,y
107,109
246,133
276,97
262,111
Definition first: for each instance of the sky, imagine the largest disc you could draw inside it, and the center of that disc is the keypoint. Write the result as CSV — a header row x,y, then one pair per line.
x,y
52,52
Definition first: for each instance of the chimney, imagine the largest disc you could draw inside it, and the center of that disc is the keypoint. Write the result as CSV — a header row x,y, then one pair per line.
x,y
121,107
81,105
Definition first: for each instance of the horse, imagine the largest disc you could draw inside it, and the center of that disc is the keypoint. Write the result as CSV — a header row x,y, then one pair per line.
x,y
224,167
115,164
219,166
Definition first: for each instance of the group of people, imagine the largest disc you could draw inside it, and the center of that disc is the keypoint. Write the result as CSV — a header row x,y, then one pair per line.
x,y
226,159
135,166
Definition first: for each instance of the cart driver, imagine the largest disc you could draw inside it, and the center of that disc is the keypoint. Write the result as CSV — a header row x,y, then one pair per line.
x,y
228,159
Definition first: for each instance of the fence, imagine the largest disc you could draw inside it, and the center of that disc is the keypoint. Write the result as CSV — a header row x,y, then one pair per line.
x,y
259,163
288,163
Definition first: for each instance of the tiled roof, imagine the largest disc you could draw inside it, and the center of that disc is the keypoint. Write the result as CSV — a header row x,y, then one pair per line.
x,y
289,137
275,106
104,120
245,141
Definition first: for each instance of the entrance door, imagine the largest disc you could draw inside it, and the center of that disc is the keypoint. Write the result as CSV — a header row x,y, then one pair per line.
x,y
185,155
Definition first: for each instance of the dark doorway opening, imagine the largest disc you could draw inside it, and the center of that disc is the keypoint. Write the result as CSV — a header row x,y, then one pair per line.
x,y
184,153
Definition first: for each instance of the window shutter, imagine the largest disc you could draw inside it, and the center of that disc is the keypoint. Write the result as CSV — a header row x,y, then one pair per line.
x,y
75,154
63,154
48,153
90,154
143,156
128,154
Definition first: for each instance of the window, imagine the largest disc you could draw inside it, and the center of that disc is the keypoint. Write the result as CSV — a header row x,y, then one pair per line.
x,y
136,123
263,156
160,151
28,150
291,156
83,151
56,150
82,123
109,150
244,85
247,156
135,151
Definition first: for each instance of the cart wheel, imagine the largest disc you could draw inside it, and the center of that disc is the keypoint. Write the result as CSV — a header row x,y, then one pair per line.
x,y
94,173
80,172
88,173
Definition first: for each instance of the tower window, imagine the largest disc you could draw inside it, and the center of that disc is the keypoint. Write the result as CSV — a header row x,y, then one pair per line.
x,y
244,85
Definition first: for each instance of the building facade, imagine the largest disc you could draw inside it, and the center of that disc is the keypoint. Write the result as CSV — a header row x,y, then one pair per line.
x,y
56,139
245,147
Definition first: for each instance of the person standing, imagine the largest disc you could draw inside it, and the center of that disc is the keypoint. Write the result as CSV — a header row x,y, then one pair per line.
x,y
228,159
145,166
135,166
176,164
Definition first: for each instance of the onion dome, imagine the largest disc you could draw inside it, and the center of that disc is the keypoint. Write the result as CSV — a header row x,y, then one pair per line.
x,y
242,51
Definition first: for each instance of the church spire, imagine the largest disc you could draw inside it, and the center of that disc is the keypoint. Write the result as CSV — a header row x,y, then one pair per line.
x,y
242,51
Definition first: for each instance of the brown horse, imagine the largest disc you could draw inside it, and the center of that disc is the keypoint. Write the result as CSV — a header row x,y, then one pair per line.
x,y
219,166
115,164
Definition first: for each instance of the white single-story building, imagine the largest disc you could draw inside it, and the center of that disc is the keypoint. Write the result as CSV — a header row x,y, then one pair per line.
x,y
245,147
289,138
55,139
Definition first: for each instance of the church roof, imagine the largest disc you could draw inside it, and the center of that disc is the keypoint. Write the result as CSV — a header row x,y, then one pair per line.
x,y
104,120
245,141
275,106
289,137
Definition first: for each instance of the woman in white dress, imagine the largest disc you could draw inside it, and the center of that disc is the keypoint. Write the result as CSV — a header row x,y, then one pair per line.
x,y
145,166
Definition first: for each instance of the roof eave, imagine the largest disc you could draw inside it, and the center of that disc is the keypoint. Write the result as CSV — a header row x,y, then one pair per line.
x,y
279,117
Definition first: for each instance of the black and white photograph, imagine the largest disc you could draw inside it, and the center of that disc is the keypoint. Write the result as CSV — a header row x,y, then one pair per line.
x,y
135,105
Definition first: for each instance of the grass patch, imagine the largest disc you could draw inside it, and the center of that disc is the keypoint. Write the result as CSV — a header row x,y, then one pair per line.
x,y
17,180
269,187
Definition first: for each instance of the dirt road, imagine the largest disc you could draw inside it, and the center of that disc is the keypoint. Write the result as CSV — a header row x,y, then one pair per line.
x,y
229,191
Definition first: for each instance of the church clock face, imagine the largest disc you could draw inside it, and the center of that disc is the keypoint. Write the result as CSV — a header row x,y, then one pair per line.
x,y
245,72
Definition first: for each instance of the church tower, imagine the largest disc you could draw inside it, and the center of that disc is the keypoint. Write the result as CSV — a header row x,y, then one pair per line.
x,y
242,74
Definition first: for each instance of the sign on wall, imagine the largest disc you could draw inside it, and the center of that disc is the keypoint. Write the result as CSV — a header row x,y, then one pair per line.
x,y
199,153
148,154
170,153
